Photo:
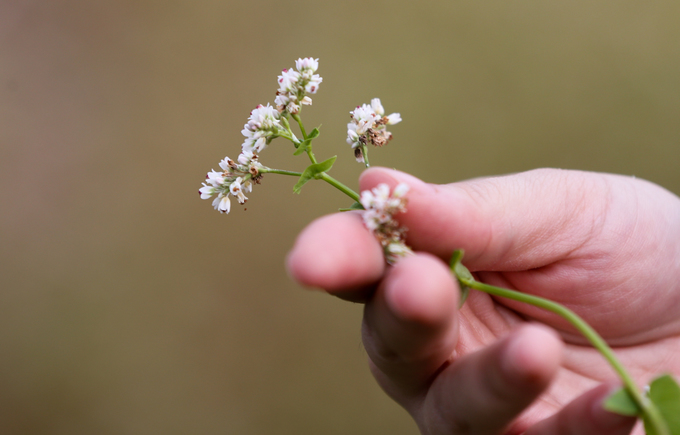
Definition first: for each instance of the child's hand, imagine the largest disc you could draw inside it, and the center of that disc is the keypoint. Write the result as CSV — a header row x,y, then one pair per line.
x,y
606,246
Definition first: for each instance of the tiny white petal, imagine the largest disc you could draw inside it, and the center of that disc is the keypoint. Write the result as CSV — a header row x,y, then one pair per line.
x,y
377,107
225,205
400,190
206,191
393,118
307,63
259,145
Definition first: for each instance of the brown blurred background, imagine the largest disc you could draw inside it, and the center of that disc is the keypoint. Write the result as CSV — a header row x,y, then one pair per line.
x,y
129,306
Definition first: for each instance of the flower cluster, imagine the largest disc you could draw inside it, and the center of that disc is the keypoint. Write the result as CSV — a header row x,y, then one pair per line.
x,y
368,126
294,85
380,208
237,178
264,125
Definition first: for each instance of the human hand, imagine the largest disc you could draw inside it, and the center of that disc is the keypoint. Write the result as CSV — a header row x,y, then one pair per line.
x,y
606,246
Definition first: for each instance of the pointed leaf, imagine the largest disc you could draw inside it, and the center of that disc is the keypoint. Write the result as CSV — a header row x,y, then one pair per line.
x,y
355,206
457,267
312,171
314,133
302,147
620,402
664,392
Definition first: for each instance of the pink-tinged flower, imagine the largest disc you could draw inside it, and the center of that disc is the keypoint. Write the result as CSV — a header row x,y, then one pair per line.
x,y
264,124
288,80
294,85
236,180
307,63
364,117
206,191
368,126
215,178
380,207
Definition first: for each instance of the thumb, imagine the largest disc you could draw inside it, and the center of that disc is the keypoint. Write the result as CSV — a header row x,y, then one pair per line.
x,y
513,222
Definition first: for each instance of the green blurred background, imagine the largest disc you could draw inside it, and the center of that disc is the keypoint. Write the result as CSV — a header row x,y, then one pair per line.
x,y
129,306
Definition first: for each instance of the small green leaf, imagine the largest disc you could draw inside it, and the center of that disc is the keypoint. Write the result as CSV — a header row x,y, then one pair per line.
x,y
464,292
664,392
461,272
620,402
302,147
355,206
314,133
313,171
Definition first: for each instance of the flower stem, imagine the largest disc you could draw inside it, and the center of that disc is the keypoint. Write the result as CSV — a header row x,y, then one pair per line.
x,y
297,118
279,171
648,409
364,151
338,185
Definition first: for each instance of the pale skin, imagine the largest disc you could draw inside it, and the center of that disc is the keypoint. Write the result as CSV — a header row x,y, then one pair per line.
x,y
606,246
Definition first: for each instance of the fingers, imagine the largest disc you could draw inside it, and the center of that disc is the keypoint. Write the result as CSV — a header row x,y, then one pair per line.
x,y
484,392
514,222
410,326
339,254
585,416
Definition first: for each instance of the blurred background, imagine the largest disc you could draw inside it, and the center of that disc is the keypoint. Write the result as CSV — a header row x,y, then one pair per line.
x,y
129,306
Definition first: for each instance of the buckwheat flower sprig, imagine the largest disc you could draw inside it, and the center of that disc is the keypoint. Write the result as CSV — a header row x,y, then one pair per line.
x,y
378,215
265,124
295,85
368,126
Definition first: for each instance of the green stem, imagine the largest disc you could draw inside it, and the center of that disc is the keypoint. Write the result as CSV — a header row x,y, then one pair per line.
x,y
297,118
322,176
364,151
290,136
338,185
648,409
279,171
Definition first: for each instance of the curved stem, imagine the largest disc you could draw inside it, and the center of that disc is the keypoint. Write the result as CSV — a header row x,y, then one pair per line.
x,y
338,185
648,409
297,118
309,152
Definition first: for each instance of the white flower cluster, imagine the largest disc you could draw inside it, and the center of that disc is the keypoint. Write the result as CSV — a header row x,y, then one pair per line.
x,y
368,126
237,178
294,85
380,208
263,125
